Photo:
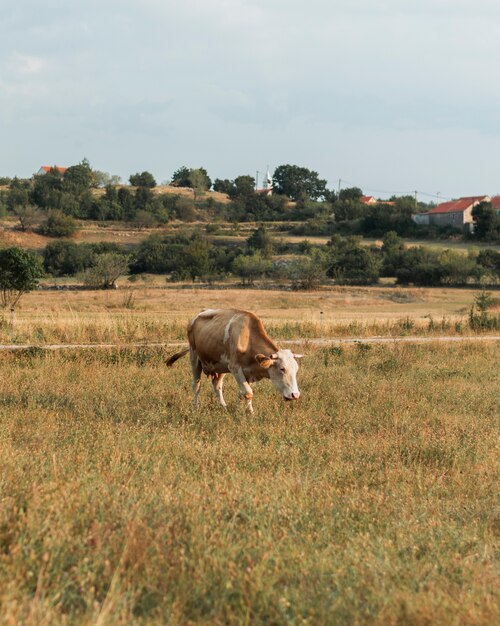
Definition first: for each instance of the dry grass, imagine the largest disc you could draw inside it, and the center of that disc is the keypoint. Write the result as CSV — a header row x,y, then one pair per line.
x,y
369,501
146,312
124,233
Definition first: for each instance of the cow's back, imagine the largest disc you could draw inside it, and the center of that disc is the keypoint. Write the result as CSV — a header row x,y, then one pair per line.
x,y
224,336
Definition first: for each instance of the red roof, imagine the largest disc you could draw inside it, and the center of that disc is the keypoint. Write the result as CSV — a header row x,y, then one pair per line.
x,y
495,202
368,200
47,168
457,206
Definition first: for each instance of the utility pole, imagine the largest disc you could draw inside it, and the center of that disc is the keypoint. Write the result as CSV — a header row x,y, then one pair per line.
x,y
437,196
338,191
257,180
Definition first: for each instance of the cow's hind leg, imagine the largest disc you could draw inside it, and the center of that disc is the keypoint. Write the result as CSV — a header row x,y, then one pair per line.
x,y
217,382
196,367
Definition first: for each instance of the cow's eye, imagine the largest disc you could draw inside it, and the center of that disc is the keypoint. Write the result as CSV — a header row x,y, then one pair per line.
x,y
283,369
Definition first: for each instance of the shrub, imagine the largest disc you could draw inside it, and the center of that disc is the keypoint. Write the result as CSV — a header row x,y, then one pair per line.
x,y
250,267
59,225
20,271
106,271
307,272
65,258
349,263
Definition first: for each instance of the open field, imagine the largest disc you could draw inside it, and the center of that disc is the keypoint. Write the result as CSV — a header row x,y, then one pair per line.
x,y
151,311
371,500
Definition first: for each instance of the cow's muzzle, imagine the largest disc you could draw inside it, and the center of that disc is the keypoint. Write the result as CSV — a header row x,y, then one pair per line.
x,y
292,396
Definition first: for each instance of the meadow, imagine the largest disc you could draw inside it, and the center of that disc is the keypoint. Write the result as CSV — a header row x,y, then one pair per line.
x,y
371,500
152,311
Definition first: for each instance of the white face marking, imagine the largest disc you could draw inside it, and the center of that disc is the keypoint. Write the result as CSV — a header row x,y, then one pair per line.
x,y
283,374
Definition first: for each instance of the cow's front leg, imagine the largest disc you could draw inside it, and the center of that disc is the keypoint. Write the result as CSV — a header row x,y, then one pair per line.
x,y
245,389
217,381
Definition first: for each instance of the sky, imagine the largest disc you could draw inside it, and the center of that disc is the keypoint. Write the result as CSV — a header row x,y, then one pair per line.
x,y
392,96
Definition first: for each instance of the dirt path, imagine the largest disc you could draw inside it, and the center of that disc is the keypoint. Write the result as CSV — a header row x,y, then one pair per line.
x,y
318,341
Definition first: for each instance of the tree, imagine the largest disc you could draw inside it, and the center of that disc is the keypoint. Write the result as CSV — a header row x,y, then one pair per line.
x,y
180,178
223,185
490,260
106,271
26,214
243,186
59,225
65,258
18,201
307,272
292,180
392,249
103,179
486,221
195,178
350,194
145,219
350,263
145,179
196,257
250,267
20,271
261,240
457,268
419,266
199,180
159,255
78,177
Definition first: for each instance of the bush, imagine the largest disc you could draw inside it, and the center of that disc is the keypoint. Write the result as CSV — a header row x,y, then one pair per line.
x,y
250,267
307,272
349,263
20,271
65,258
106,271
59,225
145,179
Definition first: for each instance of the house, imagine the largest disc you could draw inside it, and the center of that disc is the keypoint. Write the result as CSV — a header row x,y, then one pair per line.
x,y
495,203
456,213
371,200
46,168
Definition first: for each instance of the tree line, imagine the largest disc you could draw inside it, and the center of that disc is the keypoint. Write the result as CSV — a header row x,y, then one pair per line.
x,y
195,256
52,202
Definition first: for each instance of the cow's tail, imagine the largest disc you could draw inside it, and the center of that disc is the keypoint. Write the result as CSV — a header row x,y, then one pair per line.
x,y
178,355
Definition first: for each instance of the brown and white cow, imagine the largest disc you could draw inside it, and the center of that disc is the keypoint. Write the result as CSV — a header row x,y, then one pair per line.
x,y
223,341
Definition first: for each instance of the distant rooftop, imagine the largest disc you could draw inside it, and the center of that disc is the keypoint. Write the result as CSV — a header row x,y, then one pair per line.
x,y
458,206
46,168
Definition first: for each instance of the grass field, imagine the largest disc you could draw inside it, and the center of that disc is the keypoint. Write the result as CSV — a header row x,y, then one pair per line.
x,y
150,312
371,500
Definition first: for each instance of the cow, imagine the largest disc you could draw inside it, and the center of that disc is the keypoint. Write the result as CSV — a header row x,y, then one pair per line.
x,y
223,341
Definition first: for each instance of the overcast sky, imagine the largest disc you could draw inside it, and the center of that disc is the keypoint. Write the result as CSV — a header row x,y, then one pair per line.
x,y
389,95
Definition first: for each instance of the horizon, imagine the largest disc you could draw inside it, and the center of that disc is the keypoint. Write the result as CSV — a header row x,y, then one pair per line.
x,y
383,97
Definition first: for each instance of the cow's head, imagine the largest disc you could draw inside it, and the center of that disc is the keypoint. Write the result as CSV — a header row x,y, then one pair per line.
x,y
282,368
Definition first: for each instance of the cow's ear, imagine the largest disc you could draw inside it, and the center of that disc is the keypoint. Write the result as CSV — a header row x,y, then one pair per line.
x,y
263,360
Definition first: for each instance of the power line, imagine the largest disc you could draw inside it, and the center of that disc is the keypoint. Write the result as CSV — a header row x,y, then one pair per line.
x,y
397,193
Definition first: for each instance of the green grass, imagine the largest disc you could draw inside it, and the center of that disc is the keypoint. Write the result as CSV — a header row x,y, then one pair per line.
x,y
369,501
